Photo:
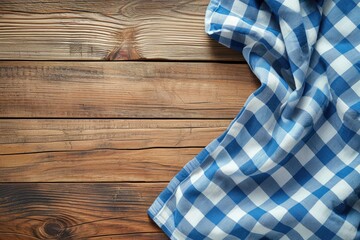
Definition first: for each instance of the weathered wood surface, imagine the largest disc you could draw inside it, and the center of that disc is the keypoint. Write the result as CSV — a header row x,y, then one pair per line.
x,y
78,211
123,90
20,136
100,150
111,30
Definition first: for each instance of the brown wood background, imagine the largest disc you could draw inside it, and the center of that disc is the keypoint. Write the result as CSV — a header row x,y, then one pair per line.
x,y
87,144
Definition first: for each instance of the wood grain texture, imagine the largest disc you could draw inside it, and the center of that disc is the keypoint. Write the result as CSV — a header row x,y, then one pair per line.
x,y
78,211
123,90
111,30
24,136
100,150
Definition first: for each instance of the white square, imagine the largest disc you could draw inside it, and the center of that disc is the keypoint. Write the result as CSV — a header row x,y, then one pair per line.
x,y
270,125
267,165
288,143
300,195
254,105
320,212
227,34
303,231
260,229
178,195
258,196
278,212
236,214
216,152
272,81
285,238
342,190
252,147
194,216
341,108
341,64
239,8
323,45
324,175
293,5
196,175
164,214
326,132
230,168
217,233
178,235
235,129
214,193
304,155
347,231
231,21
345,26
281,176
356,86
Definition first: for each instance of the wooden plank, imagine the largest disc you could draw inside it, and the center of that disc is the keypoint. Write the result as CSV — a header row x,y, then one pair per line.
x,y
158,164
20,136
100,150
123,90
78,211
115,30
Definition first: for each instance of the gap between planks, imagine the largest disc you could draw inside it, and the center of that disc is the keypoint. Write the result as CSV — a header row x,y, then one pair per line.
x,y
41,150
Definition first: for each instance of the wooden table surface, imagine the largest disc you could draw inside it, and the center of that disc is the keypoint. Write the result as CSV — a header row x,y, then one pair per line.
x,y
86,144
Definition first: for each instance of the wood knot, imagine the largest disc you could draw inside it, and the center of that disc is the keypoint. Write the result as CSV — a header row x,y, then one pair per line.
x,y
126,49
55,229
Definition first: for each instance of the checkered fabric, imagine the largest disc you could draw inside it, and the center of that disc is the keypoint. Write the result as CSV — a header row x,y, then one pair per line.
x,y
287,167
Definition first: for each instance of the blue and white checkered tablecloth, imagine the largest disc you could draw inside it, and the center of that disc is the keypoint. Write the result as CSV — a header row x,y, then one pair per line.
x,y
288,166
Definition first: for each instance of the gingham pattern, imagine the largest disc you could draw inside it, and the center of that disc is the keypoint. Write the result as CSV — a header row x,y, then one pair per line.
x,y
288,166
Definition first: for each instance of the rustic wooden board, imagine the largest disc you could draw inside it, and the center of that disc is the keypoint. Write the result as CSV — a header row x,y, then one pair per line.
x,y
100,150
78,211
157,164
24,136
111,30
123,89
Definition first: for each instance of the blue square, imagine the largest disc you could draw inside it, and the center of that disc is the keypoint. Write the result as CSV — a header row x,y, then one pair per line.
x,y
239,232
253,125
321,192
320,98
346,6
279,197
298,211
211,170
191,194
257,213
236,194
325,233
325,154
344,46
343,173
177,217
346,133
215,215
302,176
339,86
194,234
271,147
233,148
330,110
248,168
273,103
280,227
